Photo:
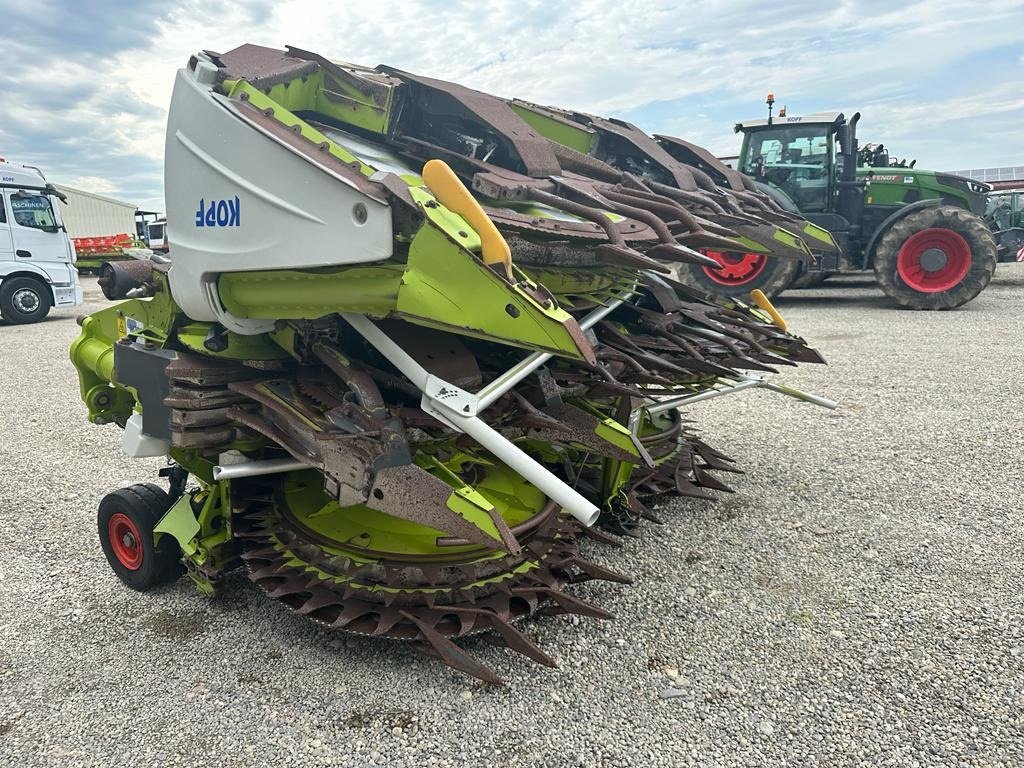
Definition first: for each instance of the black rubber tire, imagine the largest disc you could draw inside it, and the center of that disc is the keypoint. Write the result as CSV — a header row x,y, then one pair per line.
x,y
776,277
811,279
144,504
14,286
964,223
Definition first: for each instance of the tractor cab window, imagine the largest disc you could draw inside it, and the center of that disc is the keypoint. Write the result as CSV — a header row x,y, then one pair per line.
x,y
33,211
1005,210
795,158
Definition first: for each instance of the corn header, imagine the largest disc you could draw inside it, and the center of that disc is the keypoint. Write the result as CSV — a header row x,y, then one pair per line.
x,y
413,345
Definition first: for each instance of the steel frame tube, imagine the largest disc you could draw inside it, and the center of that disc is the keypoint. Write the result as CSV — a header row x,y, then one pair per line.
x,y
528,365
465,420
677,402
257,468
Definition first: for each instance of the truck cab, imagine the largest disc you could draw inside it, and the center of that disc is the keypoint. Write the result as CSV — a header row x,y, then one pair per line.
x,y
37,259
157,235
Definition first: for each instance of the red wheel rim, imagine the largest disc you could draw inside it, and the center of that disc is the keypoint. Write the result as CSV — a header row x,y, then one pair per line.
x,y
933,260
736,269
125,540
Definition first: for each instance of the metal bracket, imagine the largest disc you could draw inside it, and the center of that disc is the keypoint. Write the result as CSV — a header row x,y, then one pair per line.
x,y
457,408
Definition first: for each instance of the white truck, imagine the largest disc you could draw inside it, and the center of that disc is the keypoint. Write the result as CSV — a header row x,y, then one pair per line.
x,y
37,260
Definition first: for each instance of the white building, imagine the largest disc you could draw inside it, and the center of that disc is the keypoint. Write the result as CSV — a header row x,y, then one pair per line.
x,y
91,215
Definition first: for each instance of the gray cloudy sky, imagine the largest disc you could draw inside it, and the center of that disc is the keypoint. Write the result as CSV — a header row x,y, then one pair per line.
x,y
85,85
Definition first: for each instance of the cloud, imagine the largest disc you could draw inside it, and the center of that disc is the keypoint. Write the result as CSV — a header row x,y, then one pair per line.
x,y
97,184
935,79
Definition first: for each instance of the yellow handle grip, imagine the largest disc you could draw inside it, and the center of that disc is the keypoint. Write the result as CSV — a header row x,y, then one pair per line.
x,y
757,296
454,196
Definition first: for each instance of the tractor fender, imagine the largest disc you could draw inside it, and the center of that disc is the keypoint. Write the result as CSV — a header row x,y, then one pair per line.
x,y
886,225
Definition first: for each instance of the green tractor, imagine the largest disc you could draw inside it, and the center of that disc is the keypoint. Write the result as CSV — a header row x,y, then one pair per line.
x,y
921,232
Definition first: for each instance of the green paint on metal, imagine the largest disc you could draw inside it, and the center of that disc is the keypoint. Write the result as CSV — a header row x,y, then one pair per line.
x,y
447,288
449,222
308,295
465,501
238,347
180,522
337,93
197,465
787,238
262,101
820,234
360,531
577,137
752,246
92,353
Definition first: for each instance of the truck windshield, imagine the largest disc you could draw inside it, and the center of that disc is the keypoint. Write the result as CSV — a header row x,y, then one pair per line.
x,y
795,158
33,211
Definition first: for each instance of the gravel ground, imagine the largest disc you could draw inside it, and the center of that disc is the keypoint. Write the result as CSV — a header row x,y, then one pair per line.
x,y
858,600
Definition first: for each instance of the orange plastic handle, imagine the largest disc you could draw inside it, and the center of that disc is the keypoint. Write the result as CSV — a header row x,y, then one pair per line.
x,y
757,296
454,196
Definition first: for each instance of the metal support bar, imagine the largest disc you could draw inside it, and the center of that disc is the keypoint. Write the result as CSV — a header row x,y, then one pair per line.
x,y
807,397
457,408
256,468
528,365
677,402
741,383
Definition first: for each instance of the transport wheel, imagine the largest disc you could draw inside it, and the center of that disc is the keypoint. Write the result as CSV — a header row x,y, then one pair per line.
x,y
740,273
24,300
935,258
125,520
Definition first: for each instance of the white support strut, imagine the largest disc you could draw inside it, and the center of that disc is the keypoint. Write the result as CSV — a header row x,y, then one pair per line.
x,y
458,408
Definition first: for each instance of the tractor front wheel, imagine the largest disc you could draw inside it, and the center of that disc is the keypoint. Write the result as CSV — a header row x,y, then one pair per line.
x,y
740,273
126,520
935,258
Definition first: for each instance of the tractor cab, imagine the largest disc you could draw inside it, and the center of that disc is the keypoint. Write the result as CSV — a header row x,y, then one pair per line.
x,y
809,165
1005,217
796,155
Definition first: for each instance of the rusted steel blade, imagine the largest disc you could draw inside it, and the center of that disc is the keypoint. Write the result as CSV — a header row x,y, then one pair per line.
x,y
595,571
507,636
601,537
624,256
710,481
566,603
451,654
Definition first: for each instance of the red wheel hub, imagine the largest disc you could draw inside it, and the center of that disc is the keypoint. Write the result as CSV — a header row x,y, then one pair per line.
x,y
933,260
125,540
736,269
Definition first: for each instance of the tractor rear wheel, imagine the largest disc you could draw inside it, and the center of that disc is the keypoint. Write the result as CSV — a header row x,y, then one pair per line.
x,y
126,520
740,273
935,258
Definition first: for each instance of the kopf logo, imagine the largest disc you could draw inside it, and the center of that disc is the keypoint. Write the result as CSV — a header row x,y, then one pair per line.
x,y
219,213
